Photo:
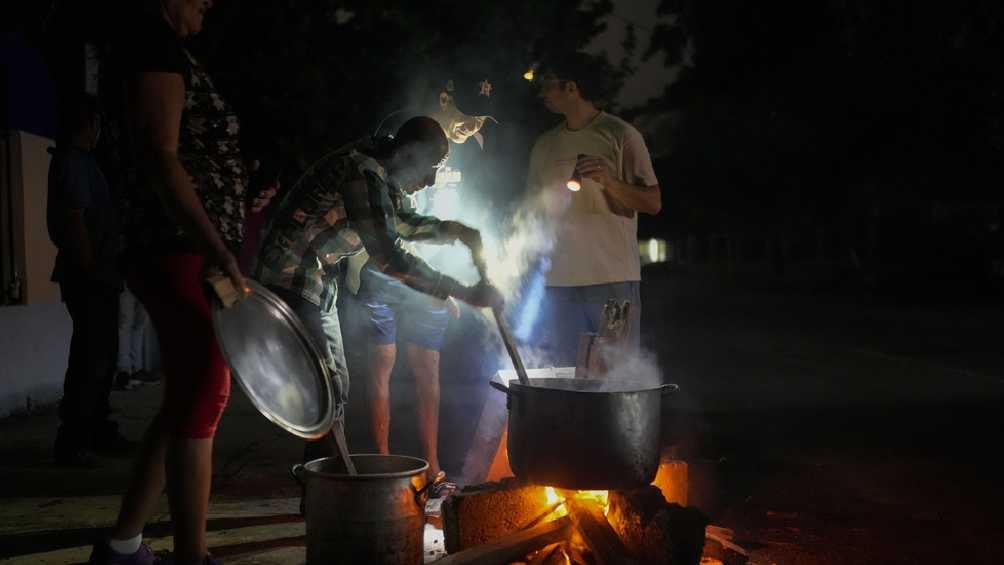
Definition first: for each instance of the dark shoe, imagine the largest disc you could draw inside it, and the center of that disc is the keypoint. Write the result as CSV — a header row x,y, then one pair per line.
x,y
68,452
75,457
108,440
125,381
146,377
102,554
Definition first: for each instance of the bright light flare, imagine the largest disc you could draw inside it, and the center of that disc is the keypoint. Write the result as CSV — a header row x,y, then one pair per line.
x,y
574,185
528,75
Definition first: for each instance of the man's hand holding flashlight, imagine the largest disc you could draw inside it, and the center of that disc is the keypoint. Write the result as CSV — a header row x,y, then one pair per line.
x,y
595,169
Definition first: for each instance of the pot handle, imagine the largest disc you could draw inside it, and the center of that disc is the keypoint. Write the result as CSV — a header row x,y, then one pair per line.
x,y
499,387
669,388
424,491
297,473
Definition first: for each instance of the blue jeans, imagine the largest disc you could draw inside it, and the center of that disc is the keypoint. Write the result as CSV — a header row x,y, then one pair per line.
x,y
138,348
570,311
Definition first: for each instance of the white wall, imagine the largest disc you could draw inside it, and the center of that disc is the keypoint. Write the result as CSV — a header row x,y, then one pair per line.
x,y
34,346
34,338
39,252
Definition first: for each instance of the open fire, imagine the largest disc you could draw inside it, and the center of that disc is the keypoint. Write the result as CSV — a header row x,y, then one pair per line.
x,y
511,521
558,497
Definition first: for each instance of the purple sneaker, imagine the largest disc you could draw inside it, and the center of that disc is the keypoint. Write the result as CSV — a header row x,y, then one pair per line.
x,y
102,554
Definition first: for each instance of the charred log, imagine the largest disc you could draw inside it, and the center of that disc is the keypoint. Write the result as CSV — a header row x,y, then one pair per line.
x,y
658,532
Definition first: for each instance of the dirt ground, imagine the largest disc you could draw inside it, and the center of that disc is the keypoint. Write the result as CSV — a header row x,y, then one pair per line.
x,y
824,429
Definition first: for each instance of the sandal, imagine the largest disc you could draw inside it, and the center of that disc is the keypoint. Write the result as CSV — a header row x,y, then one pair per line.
x,y
442,489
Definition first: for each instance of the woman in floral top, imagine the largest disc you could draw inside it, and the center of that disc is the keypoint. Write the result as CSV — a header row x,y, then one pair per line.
x,y
186,217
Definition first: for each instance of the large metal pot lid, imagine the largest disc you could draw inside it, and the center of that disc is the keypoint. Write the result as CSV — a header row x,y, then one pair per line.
x,y
276,362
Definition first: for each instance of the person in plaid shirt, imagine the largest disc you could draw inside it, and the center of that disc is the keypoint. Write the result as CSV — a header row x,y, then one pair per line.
x,y
344,205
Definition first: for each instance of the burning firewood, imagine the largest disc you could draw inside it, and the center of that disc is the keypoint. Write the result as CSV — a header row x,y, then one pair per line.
x,y
719,544
553,554
658,532
511,546
597,533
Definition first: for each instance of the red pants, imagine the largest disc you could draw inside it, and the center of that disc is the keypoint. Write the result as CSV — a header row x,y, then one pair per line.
x,y
196,378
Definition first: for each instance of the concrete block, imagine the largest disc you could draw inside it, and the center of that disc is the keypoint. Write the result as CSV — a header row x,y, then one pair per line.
x,y
485,513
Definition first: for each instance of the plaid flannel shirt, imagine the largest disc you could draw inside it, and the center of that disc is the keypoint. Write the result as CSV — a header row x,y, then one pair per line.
x,y
341,206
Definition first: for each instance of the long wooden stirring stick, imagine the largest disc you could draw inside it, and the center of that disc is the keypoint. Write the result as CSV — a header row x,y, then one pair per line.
x,y
510,346
507,340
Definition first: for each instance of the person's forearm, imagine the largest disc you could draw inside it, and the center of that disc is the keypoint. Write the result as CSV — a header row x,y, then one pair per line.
x,y
415,273
425,229
645,199
178,194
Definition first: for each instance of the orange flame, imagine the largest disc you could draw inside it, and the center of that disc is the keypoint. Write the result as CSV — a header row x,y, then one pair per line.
x,y
600,497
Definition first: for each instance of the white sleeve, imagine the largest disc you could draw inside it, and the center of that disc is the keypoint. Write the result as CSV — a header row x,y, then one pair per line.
x,y
637,164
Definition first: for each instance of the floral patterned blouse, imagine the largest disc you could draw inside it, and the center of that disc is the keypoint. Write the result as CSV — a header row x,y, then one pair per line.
x,y
208,148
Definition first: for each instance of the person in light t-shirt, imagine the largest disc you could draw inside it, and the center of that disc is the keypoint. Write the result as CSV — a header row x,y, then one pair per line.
x,y
595,255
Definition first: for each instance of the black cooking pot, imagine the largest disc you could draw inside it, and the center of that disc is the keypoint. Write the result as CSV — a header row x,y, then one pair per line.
x,y
584,434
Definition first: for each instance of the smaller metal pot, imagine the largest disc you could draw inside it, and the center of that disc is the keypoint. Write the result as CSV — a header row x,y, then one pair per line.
x,y
376,516
585,434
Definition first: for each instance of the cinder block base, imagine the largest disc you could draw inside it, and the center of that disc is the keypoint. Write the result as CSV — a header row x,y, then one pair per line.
x,y
484,513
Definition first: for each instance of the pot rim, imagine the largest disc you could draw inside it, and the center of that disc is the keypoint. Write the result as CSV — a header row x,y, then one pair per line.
x,y
421,466
516,385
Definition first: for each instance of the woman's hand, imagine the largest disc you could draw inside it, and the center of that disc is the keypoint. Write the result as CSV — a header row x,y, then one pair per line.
x,y
264,197
224,261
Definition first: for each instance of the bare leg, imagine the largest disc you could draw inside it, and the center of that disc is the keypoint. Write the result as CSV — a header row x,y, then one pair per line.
x,y
189,469
189,475
425,366
383,364
146,485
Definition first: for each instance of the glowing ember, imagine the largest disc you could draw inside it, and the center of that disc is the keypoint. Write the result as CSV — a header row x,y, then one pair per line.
x,y
552,495
601,497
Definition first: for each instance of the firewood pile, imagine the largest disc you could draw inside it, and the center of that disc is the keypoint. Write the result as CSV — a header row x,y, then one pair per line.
x,y
510,522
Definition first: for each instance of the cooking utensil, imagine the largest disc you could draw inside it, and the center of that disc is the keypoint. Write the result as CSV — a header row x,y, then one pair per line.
x,y
507,339
275,362
510,346
584,434
376,516
338,431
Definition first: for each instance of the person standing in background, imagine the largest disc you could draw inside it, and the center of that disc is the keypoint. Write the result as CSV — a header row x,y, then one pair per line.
x,y
139,357
595,256
83,223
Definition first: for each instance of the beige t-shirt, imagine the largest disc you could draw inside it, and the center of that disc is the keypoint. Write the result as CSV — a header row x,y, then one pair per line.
x,y
594,244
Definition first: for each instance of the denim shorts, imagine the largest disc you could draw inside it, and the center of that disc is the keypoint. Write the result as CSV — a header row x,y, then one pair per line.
x,y
393,307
